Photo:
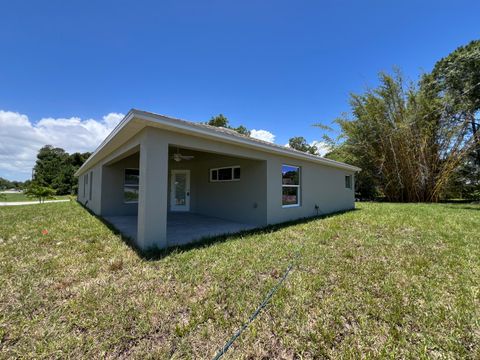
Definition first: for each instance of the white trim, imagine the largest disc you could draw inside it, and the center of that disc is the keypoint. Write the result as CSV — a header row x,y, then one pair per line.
x,y
298,186
225,167
291,206
130,185
90,188
350,182
173,206
203,130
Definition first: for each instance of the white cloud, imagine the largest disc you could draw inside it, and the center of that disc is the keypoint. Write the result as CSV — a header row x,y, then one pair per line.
x,y
322,147
262,135
20,139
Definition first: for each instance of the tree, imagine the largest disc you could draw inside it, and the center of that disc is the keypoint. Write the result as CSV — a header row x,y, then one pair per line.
x,y
455,80
218,121
50,161
300,143
40,192
221,121
7,184
406,146
55,168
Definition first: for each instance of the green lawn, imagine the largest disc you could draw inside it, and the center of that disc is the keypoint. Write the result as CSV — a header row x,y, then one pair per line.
x,y
385,281
11,197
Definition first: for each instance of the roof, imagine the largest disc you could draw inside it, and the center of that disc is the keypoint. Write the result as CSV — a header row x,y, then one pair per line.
x,y
136,120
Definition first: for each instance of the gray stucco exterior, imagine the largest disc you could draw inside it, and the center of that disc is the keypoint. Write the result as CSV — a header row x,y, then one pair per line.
x,y
255,199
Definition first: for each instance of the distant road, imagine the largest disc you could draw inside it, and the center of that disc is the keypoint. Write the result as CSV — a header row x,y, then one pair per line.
x,y
16,203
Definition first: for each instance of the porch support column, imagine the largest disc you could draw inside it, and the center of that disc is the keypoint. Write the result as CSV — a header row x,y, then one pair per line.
x,y
152,201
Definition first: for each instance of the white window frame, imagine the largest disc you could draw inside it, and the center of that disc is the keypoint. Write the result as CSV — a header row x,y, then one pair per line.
x,y
222,168
90,190
299,196
350,182
130,185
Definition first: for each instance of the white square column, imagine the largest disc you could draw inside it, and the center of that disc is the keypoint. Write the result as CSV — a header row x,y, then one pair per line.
x,y
152,201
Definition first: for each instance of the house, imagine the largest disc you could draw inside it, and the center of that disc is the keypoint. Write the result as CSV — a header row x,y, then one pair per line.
x,y
165,181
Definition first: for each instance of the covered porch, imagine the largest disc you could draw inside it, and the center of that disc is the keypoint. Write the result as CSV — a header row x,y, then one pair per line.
x,y
170,192
182,227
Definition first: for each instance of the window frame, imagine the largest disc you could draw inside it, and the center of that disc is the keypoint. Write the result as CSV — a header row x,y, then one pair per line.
x,y
232,169
350,184
90,190
130,185
299,191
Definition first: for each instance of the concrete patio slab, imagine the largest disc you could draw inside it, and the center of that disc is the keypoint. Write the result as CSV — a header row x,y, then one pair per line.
x,y
182,228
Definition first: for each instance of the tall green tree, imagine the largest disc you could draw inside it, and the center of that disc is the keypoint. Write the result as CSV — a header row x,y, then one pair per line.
x,y
55,168
221,121
50,162
455,83
406,146
300,143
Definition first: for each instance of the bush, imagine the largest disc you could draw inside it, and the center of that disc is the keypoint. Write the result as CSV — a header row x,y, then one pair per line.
x,y
40,192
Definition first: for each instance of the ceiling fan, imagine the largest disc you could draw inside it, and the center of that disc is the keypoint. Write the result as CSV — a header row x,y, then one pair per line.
x,y
179,157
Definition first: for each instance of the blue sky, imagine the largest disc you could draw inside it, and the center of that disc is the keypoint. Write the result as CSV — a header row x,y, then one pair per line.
x,y
274,65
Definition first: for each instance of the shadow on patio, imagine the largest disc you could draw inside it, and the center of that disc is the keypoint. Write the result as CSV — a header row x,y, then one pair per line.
x,y
182,228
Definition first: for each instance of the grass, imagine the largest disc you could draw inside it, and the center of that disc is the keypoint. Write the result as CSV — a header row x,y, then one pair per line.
x,y
385,281
11,197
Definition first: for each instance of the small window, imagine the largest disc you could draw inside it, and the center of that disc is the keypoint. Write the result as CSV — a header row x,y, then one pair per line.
x,y
236,173
348,181
231,173
214,175
85,183
91,186
290,186
131,185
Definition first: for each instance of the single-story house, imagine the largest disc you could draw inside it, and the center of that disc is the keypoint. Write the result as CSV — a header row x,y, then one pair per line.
x,y
164,181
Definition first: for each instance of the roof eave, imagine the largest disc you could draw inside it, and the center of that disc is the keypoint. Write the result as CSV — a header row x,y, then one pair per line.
x,y
177,124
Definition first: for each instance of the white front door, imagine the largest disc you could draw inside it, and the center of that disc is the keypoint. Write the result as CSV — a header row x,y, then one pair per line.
x,y
180,190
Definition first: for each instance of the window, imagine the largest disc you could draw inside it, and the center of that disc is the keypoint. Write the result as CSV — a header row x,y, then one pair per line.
x,y
91,185
290,186
348,181
131,185
231,173
85,183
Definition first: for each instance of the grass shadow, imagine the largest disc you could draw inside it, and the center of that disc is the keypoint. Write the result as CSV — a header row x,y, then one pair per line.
x,y
158,254
470,206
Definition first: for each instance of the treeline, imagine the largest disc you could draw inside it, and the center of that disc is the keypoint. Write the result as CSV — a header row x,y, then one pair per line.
x,y
7,184
417,141
55,169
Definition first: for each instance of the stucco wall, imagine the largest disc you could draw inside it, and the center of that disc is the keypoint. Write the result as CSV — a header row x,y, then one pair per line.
x,y
91,198
255,199
319,185
113,203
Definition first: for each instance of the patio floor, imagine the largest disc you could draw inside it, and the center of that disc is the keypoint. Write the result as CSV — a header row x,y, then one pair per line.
x,y
182,228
